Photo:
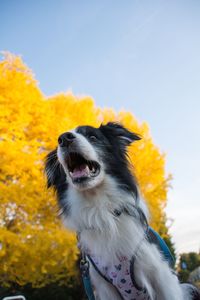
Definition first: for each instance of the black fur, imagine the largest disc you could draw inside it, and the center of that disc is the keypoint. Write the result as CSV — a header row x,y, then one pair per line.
x,y
56,178
112,141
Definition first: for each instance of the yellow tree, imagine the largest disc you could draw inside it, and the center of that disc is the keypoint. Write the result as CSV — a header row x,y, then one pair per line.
x,y
34,248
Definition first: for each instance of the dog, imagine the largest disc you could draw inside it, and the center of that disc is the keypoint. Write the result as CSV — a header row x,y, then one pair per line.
x,y
99,199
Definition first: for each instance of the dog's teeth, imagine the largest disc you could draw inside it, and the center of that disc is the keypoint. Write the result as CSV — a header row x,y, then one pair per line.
x,y
87,169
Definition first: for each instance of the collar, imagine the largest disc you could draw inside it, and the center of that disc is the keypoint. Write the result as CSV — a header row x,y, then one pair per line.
x,y
133,211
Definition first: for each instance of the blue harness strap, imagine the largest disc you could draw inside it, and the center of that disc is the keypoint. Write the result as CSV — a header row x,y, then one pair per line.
x,y
88,287
156,239
84,267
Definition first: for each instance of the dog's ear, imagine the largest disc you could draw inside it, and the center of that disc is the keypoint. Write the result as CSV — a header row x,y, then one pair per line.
x,y
116,130
53,169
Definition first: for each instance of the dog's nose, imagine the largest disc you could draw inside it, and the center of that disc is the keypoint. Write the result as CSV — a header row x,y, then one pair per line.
x,y
66,139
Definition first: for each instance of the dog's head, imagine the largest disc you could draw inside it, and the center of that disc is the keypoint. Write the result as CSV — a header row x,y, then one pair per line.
x,y
84,157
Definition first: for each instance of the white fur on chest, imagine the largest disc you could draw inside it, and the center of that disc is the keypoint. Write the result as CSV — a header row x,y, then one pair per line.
x,y
92,216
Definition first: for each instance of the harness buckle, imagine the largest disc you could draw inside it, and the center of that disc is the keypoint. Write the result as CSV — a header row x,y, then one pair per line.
x,y
84,267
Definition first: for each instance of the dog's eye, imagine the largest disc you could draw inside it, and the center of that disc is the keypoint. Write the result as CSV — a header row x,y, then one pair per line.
x,y
92,138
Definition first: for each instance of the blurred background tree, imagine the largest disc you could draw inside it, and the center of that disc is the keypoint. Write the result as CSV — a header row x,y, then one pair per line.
x,y
188,262
34,249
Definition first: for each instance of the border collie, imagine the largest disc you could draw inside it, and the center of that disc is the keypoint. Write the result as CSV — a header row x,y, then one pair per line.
x,y
99,199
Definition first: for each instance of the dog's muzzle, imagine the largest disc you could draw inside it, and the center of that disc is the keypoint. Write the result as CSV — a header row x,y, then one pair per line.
x,y
80,167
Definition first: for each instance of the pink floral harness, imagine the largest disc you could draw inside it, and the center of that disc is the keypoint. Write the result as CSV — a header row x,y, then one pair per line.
x,y
120,275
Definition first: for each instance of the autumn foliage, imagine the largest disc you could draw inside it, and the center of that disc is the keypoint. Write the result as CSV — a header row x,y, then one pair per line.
x,y
34,248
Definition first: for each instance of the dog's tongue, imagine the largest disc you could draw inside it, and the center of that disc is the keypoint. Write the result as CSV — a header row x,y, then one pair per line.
x,y
80,171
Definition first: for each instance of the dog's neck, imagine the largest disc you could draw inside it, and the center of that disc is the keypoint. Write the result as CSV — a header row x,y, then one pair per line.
x,y
92,209
92,216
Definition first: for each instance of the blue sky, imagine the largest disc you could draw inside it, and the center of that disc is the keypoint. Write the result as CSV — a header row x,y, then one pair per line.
x,y
139,55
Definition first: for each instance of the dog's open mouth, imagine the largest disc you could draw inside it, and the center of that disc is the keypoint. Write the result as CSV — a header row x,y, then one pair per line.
x,y
80,168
